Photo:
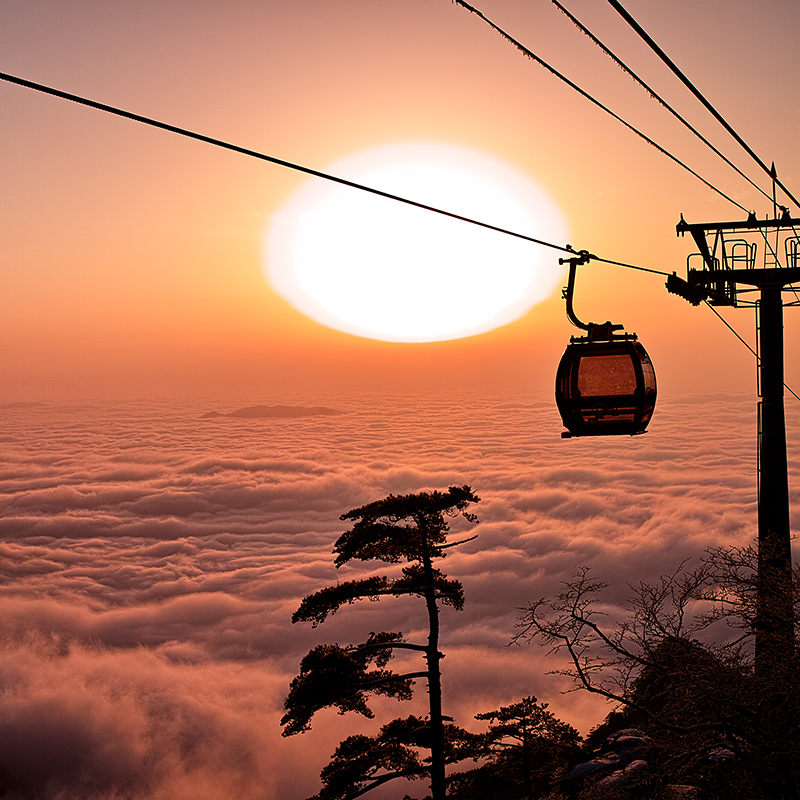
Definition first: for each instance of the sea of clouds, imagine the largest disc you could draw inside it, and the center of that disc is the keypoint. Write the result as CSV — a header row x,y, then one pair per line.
x,y
150,562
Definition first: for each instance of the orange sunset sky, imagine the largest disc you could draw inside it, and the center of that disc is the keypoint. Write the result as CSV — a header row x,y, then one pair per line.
x,y
151,555
131,261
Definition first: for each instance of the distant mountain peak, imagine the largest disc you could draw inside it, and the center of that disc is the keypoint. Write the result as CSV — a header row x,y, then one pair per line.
x,y
276,412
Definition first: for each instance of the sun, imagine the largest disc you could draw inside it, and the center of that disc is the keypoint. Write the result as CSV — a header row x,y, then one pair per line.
x,y
376,268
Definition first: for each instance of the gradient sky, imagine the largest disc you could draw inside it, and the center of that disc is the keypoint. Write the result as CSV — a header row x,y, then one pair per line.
x,y
130,263
150,560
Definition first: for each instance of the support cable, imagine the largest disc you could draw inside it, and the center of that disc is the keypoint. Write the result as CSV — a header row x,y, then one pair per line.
x,y
775,207
316,173
736,334
263,157
693,89
629,266
530,54
655,95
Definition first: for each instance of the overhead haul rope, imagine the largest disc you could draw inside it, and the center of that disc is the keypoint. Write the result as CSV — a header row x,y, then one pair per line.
x,y
693,89
643,34
553,71
736,334
628,266
307,170
263,157
566,80
772,171
655,95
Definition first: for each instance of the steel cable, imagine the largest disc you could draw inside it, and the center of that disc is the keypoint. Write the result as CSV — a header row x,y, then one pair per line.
x,y
553,71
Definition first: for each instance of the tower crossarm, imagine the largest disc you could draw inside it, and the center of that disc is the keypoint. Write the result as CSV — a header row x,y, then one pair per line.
x,y
774,276
700,230
729,270
751,223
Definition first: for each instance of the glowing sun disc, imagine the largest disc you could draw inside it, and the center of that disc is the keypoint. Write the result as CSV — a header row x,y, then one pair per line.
x,y
377,268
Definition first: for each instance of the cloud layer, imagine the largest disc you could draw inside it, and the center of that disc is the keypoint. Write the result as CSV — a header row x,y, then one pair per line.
x,y
150,561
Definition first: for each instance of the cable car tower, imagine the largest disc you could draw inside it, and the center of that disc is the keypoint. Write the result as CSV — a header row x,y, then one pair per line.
x,y
725,273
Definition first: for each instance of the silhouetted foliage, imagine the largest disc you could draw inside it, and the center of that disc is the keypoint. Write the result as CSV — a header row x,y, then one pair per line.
x,y
334,676
411,528
681,667
361,763
317,607
527,750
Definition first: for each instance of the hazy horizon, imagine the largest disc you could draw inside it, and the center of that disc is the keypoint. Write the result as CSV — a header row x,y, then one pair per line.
x,y
150,560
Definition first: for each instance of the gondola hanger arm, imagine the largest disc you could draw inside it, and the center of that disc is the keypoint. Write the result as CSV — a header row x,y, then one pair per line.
x,y
595,331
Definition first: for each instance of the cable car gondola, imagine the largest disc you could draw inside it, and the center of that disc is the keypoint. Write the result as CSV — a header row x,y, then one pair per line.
x,y
605,384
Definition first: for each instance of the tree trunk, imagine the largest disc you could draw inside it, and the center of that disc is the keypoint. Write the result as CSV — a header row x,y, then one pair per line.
x,y
432,656
526,761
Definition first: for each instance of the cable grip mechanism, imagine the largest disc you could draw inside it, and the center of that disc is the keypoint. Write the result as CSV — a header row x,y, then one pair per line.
x,y
603,331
